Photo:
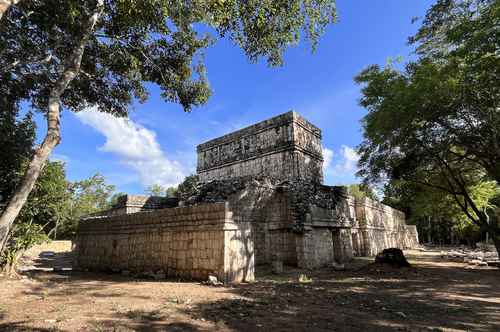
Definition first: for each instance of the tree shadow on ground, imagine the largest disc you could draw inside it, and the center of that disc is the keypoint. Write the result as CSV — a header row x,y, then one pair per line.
x,y
429,296
380,299
70,283
22,326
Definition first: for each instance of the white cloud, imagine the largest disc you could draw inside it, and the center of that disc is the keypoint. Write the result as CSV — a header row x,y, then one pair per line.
x,y
327,158
348,161
136,146
340,166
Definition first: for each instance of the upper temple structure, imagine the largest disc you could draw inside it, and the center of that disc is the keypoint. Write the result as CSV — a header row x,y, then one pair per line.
x,y
260,199
286,147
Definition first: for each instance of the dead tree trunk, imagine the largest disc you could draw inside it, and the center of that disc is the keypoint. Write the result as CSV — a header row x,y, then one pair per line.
x,y
5,5
53,137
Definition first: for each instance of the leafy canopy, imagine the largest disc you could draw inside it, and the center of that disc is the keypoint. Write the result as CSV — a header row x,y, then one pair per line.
x,y
437,122
136,42
17,138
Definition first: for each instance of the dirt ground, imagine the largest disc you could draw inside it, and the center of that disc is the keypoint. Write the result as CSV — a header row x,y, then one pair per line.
x,y
434,295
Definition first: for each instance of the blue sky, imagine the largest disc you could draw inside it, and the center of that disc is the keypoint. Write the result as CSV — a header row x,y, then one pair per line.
x,y
158,144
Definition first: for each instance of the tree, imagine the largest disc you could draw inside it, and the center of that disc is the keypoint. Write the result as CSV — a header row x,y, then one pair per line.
x,y
87,196
437,122
16,146
48,204
155,190
113,200
188,187
436,213
360,191
171,192
158,190
78,54
45,210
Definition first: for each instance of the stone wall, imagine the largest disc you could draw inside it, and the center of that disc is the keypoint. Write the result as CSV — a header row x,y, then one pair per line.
x,y
268,210
284,147
189,242
136,203
260,200
378,226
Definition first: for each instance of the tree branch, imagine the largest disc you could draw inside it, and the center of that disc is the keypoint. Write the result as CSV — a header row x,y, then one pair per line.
x,y
70,70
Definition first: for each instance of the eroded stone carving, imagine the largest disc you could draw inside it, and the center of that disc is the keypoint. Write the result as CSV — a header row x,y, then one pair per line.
x,y
260,200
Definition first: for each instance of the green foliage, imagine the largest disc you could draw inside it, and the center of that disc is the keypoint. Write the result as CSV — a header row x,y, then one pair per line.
x,y
87,196
16,146
436,124
138,42
155,190
91,195
171,192
188,187
424,204
158,190
49,201
113,200
360,191
23,236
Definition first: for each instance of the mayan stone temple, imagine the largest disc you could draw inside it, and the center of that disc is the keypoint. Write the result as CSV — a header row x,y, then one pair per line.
x,y
260,200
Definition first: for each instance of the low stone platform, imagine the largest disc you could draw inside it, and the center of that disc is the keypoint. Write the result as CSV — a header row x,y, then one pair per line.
x,y
259,200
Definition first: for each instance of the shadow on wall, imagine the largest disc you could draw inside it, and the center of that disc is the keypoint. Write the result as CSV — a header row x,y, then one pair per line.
x,y
241,255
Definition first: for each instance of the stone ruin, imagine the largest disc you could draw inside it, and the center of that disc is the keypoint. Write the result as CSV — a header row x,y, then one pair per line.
x,y
260,200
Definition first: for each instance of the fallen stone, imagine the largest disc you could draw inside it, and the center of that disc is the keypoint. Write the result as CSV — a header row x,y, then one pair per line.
x,y
212,280
393,257
475,262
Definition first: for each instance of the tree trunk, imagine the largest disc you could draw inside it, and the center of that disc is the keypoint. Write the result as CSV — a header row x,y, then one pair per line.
x,y
496,242
53,137
429,230
5,5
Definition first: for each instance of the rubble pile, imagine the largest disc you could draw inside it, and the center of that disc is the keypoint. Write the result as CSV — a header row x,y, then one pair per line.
x,y
477,257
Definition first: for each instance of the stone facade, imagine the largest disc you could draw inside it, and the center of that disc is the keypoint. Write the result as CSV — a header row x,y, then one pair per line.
x,y
260,201
137,203
284,147
188,242
378,227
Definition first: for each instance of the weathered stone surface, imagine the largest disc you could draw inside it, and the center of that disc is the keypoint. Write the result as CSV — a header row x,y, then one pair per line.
x,y
137,203
188,242
284,147
259,200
